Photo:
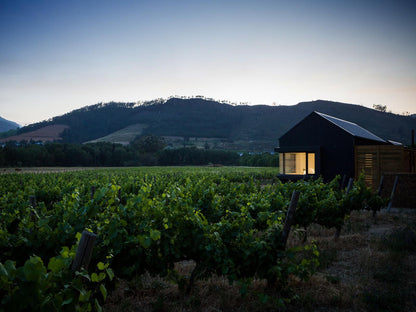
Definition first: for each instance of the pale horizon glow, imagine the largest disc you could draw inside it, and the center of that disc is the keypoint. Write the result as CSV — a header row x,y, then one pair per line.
x,y
57,56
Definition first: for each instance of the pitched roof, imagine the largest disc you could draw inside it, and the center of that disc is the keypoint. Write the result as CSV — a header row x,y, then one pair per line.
x,y
351,128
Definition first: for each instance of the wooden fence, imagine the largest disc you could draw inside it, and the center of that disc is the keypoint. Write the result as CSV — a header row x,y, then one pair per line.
x,y
375,160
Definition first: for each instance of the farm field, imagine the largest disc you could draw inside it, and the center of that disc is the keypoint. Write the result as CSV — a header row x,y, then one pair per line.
x,y
269,172
10,170
176,238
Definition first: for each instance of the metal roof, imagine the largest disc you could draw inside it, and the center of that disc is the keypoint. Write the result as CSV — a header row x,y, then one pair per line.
x,y
394,142
351,128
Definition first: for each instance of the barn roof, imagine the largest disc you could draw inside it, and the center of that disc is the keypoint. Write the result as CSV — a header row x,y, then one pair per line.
x,y
351,128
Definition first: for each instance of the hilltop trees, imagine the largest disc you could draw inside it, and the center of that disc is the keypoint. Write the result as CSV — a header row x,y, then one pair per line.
x,y
379,107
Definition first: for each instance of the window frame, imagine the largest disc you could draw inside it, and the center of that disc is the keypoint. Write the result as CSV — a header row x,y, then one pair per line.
x,y
306,155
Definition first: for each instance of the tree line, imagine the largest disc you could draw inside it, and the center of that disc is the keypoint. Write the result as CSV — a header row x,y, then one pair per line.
x,y
143,151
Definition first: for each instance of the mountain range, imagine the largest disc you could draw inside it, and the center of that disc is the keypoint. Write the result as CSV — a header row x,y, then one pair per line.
x,y
206,123
6,125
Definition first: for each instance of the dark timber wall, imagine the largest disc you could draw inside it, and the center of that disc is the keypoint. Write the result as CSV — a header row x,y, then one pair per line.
x,y
337,145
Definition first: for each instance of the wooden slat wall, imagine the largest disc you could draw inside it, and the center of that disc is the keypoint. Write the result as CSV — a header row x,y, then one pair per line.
x,y
374,160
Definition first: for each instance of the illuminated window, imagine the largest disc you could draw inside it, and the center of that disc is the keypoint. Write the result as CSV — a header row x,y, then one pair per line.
x,y
297,163
311,163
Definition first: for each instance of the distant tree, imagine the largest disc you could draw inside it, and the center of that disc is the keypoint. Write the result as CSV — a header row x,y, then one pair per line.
x,y
148,143
381,108
259,160
195,156
56,154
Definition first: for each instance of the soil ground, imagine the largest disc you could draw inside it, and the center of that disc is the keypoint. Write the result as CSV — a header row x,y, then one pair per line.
x,y
45,134
371,267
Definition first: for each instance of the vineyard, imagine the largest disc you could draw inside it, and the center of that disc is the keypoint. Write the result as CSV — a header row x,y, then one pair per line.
x,y
228,221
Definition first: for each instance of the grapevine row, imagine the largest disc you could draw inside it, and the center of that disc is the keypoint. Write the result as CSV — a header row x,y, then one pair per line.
x,y
228,223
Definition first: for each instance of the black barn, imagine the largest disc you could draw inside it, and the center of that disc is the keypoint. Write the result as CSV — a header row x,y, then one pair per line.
x,y
322,145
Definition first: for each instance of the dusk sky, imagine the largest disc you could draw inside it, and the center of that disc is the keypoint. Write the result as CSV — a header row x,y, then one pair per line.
x,y
56,56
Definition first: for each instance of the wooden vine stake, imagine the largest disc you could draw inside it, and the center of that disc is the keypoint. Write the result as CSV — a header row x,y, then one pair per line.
x,y
84,251
396,180
32,200
380,188
349,186
93,189
344,179
289,217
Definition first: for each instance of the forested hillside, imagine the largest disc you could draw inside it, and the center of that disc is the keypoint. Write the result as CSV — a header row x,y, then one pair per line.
x,y
201,118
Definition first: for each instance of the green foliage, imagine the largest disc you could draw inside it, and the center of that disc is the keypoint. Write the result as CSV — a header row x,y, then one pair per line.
x,y
148,144
54,287
259,160
146,150
195,156
329,206
29,154
149,219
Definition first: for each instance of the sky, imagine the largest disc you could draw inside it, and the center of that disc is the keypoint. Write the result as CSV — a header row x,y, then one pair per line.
x,y
60,55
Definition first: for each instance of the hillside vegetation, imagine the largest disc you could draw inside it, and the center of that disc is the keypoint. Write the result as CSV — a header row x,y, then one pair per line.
x,y
224,126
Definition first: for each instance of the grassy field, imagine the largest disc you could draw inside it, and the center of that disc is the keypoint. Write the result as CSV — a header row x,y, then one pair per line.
x,y
42,169
123,136
268,171
372,267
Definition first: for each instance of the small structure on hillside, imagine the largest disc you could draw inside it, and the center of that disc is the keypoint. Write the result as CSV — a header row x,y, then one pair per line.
x,y
322,145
